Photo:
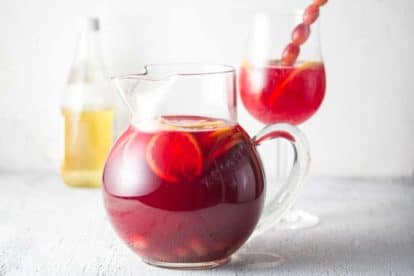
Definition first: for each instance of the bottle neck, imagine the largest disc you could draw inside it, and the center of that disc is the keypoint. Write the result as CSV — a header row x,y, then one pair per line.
x,y
87,65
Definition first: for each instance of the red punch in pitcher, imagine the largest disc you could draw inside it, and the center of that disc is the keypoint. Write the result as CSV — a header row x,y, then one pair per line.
x,y
184,185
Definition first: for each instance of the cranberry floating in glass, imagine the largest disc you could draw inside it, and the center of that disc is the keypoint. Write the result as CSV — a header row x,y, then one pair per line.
x,y
184,185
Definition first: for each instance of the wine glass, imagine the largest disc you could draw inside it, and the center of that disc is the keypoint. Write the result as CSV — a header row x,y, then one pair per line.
x,y
282,79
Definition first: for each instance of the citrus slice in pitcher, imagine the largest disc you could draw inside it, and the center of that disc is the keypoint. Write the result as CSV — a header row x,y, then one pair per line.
x,y
230,142
174,156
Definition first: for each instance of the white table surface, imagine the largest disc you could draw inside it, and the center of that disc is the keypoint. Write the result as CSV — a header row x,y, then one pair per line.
x,y
367,228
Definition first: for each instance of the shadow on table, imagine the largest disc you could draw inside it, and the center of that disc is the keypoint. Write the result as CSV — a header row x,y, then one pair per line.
x,y
356,245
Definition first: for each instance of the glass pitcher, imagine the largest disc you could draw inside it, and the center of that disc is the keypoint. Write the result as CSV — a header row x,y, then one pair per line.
x,y
184,186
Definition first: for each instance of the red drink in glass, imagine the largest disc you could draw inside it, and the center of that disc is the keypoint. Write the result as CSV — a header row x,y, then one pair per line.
x,y
277,93
184,189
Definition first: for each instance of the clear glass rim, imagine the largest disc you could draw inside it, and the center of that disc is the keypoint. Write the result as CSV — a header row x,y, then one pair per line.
x,y
193,69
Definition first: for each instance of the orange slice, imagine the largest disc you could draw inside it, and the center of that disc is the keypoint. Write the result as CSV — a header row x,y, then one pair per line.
x,y
174,156
231,141
169,123
220,134
281,87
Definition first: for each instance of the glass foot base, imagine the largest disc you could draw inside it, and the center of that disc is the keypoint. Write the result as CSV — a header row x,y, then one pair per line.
x,y
297,219
187,266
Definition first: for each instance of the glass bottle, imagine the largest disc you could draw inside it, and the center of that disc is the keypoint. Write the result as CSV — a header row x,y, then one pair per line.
x,y
87,109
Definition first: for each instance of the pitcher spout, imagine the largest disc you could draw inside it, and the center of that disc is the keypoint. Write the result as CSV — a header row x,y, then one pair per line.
x,y
143,93
176,89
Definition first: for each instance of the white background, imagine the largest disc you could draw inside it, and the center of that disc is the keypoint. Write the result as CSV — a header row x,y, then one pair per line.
x,y
365,127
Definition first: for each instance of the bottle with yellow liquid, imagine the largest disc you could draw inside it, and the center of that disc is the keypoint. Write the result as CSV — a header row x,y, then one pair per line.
x,y
87,110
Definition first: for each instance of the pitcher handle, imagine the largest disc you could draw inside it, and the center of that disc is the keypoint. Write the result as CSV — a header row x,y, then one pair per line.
x,y
287,195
